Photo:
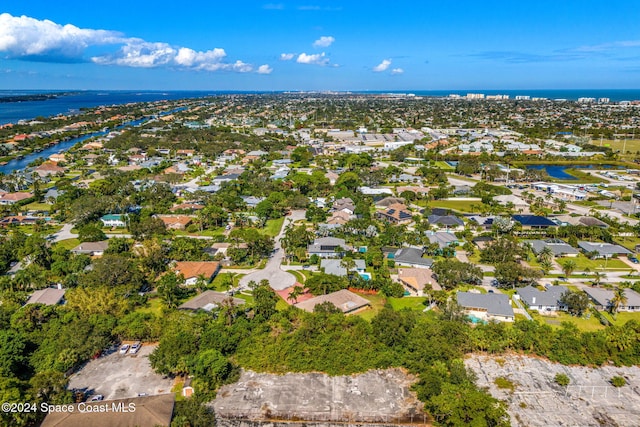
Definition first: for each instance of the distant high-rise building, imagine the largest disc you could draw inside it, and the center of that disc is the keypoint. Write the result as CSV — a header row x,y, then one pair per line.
x,y
586,100
522,97
603,100
475,96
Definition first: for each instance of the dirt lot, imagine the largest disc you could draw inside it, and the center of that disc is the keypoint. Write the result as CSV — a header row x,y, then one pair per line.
x,y
118,376
537,401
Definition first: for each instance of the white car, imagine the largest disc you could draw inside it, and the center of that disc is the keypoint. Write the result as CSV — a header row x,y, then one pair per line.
x,y
96,398
135,347
124,349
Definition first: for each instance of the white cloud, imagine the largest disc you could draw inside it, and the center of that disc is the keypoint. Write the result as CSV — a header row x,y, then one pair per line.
x,y
287,56
24,37
264,69
397,71
32,39
324,41
382,66
317,59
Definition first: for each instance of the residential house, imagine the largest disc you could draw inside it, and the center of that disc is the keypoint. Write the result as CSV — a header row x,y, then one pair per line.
x,y
332,177
412,257
485,222
114,220
603,250
448,222
415,280
339,217
193,270
47,296
345,205
533,222
486,307
344,300
210,300
396,214
91,248
602,298
175,222
150,411
13,198
225,178
252,201
543,301
328,247
334,266
558,247
388,202
518,204
442,238
187,207
48,169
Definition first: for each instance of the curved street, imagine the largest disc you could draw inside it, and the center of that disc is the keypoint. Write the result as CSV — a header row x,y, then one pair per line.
x,y
278,279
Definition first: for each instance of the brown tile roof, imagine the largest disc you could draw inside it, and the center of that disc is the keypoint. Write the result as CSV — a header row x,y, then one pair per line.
x,y
195,268
418,278
172,220
346,301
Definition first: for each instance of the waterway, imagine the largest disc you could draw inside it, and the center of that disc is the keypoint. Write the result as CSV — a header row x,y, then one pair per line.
x,y
20,164
560,171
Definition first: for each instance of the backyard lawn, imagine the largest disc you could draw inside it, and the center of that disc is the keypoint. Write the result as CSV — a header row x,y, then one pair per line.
x,y
35,206
584,324
412,303
583,262
457,205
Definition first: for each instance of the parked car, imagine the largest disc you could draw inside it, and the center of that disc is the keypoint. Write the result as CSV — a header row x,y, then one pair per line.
x,y
96,398
633,259
124,349
135,347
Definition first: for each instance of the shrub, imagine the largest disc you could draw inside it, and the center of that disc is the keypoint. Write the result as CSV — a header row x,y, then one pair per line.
x,y
562,380
618,381
504,383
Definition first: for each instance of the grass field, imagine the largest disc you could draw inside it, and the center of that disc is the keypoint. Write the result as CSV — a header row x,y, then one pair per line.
x,y
584,324
69,243
35,206
583,262
623,317
630,146
272,227
412,303
299,276
443,165
457,205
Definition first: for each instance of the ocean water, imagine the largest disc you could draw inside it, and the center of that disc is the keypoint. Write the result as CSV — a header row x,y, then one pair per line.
x,y
12,112
72,101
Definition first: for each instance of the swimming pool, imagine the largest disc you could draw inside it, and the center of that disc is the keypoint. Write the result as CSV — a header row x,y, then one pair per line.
x,y
365,276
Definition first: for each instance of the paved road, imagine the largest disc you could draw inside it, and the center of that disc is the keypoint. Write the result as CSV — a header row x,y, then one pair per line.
x,y
65,233
272,272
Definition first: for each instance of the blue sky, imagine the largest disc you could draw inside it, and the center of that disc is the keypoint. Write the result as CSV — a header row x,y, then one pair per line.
x,y
319,45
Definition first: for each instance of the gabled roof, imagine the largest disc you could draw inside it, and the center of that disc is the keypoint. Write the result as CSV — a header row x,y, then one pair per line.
x,y
495,304
603,296
333,266
418,278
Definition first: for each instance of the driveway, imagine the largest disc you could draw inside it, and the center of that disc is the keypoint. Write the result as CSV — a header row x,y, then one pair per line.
x,y
65,233
272,272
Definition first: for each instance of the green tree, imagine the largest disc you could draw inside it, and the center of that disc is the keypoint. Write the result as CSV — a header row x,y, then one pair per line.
x,y
91,233
568,267
576,302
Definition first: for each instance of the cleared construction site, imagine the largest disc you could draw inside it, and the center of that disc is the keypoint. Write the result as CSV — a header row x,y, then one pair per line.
x,y
535,400
379,397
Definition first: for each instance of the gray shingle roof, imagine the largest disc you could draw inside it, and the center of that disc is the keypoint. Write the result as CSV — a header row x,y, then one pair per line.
x,y
495,304
533,296
332,266
412,256
604,249
558,247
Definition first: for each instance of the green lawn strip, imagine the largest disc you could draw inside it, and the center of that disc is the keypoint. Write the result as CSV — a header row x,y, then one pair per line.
x,y
272,227
457,205
593,265
35,206
299,276
69,243
622,317
412,303
377,302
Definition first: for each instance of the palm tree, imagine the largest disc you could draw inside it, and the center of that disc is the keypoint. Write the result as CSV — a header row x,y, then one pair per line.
x,y
569,267
619,299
